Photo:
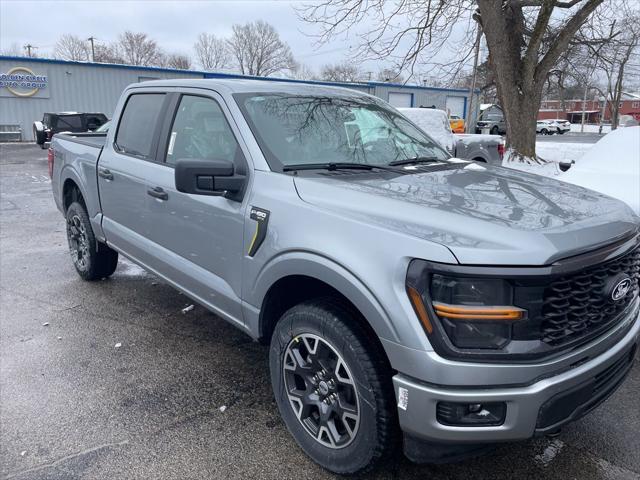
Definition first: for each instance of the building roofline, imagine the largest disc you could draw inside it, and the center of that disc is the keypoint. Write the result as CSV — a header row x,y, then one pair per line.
x,y
206,74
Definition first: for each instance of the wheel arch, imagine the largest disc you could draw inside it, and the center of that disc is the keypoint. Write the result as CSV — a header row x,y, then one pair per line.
x,y
293,278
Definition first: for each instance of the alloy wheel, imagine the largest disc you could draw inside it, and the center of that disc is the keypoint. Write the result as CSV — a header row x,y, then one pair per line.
x,y
78,242
321,391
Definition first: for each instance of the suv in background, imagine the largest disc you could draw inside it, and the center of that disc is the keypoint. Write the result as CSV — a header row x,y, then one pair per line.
x,y
491,120
549,127
73,122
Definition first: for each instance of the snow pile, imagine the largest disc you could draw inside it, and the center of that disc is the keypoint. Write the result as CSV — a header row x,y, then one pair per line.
x,y
434,123
575,127
612,167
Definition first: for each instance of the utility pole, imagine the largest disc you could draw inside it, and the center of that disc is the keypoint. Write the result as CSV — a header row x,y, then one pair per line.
x,y
29,47
93,52
472,91
584,106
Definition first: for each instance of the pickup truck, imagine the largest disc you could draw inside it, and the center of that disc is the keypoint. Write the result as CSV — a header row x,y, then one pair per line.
x,y
476,147
408,298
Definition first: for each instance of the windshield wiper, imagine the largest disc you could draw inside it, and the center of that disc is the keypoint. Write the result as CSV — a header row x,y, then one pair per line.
x,y
414,160
334,166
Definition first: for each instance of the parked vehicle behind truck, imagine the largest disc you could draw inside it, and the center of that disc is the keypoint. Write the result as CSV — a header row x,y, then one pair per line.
x,y
476,147
74,122
405,295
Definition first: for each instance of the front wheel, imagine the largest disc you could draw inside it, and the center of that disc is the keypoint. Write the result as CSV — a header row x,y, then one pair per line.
x,y
93,260
333,386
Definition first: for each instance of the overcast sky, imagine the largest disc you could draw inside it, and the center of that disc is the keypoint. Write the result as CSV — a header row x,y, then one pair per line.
x,y
173,24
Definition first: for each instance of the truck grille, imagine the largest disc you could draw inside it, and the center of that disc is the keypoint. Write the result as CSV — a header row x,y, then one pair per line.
x,y
578,305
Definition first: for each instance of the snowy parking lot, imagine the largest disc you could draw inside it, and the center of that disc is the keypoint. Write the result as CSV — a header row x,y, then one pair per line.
x,y
125,379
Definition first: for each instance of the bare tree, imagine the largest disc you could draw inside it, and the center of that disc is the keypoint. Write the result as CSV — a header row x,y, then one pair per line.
x,y
341,72
108,54
212,52
390,75
302,71
12,50
524,38
613,59
258,50
71,47
138,49
179,61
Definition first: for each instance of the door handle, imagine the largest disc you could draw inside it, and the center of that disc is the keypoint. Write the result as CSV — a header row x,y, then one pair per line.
x,y
158,193
105,173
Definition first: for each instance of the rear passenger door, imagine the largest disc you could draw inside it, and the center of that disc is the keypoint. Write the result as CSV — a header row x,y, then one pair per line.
x,y
123,169
198,239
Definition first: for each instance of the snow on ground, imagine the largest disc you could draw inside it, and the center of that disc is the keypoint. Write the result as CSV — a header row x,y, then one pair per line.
x,y
575,127
562,152
553,153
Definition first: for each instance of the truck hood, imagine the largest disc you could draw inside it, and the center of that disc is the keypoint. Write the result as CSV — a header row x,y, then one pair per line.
x,y
484,215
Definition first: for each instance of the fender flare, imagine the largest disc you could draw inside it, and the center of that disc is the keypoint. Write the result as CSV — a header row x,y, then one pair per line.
x,y
321,268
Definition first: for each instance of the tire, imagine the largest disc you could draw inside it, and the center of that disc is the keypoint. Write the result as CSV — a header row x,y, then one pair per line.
x,y
329,330
495,131
560,132
544,131
93,260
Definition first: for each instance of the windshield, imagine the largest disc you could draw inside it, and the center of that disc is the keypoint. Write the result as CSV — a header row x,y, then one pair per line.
x,y
300,129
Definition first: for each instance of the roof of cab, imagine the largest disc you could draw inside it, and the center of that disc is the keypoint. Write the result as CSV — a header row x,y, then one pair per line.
x,y
236,85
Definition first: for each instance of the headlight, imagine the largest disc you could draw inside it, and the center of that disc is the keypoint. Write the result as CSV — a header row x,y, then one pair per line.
x,y
473,313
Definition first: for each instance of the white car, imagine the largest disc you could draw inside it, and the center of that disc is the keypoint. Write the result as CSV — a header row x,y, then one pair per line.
x,y
612,167
549,127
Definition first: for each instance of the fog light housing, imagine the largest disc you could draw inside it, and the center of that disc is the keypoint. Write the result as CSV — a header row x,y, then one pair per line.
x,y
471,414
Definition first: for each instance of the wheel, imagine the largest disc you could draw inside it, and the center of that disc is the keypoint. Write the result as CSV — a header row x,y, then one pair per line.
x,y
93,260
544,131
560,132
495,131
333,387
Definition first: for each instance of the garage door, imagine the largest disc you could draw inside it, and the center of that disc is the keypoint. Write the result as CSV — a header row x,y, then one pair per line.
x,y
401,100
455,106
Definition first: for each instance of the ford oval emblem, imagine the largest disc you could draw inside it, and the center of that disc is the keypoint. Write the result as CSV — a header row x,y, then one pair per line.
x,y
620,289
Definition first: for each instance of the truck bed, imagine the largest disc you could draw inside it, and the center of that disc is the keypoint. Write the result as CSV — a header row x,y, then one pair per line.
x,y
90,139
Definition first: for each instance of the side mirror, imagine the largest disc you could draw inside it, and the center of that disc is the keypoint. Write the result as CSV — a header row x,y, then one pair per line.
x,y
207,177
564,166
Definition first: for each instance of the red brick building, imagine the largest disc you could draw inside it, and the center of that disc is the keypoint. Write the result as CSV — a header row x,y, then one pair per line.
x,y
593,109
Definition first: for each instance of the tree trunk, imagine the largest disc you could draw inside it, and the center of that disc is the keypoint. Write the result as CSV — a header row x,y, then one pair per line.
x,y
521,114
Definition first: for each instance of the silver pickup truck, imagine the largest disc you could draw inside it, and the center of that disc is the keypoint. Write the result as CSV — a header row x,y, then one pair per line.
x,y
408,298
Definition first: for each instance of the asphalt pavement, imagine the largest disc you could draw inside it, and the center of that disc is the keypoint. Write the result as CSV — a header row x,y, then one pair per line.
x,y
570,137
110,380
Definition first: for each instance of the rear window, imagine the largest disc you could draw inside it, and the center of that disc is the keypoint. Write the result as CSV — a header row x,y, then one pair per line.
x,y
72,122
137,124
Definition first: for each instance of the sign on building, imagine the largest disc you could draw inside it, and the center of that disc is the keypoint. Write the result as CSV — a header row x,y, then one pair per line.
x,y
22,82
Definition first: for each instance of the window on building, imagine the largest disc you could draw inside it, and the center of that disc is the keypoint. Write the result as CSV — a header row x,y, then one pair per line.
x,y
635,105
137,124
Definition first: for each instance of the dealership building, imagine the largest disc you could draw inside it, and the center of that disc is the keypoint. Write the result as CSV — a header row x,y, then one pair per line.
x,y
29,87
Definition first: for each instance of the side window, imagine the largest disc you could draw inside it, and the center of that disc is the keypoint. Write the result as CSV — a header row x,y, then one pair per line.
x,y
200,130
138,123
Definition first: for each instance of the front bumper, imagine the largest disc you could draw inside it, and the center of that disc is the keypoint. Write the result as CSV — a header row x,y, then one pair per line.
x,y
538,408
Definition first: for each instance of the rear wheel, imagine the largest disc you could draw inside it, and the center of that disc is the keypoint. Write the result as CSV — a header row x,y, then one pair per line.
x,y
333,386
495,131
93,260
544,131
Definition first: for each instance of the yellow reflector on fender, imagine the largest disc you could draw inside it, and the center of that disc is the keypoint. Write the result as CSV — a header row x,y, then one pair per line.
x,y
421,311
